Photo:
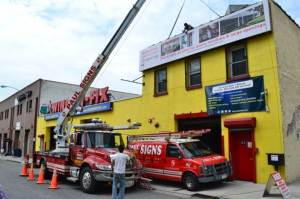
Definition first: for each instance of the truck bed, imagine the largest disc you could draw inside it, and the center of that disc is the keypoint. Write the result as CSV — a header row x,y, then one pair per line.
x,y
55,160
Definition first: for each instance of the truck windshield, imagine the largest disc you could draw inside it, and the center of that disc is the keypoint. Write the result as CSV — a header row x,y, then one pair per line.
x,y
104,140
194,149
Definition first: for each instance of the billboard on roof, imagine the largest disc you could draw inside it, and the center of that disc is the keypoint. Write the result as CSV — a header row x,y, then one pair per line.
x,y
247,22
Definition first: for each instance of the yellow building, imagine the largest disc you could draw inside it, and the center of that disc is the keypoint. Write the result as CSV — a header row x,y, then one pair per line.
x,y
235,78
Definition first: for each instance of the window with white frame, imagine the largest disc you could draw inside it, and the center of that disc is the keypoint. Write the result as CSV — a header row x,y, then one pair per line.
x,y
161,81
193,73
237,64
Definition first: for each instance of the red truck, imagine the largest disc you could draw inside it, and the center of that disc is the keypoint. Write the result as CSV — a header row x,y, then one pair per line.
x,y
179,158
88,158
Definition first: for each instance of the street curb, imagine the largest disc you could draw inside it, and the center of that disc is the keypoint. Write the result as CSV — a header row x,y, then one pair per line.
x,y
17,161
198,195
10,159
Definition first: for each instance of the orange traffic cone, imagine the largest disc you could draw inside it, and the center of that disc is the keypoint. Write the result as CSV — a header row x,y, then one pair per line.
x,y
24,171
53,184
31,173
41,178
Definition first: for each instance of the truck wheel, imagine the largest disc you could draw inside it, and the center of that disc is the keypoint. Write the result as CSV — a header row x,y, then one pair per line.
x,y
87,180
190,182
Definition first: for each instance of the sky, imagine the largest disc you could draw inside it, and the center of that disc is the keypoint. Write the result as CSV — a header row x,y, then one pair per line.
x,y
60,39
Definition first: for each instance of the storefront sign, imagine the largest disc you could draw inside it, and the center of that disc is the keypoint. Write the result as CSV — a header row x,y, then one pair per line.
x,y
96,96
107,106
250,21
241,96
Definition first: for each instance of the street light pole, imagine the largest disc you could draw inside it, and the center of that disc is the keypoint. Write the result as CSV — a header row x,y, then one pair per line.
x,y
7,86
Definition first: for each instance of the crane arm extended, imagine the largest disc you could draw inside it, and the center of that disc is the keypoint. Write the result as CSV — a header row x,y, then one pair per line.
x,y
94,70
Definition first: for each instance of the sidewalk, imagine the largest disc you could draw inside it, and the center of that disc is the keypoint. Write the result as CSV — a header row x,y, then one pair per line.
x,y
11,158
227,190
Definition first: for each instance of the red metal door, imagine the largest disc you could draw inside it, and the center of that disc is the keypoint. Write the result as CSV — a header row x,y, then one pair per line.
x,y
243,156
77,150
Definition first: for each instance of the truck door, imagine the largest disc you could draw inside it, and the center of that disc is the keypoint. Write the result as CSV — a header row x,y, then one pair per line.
x,y
77,150
174,163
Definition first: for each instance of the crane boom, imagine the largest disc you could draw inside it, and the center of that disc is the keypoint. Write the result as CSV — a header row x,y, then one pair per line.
x,y
60,128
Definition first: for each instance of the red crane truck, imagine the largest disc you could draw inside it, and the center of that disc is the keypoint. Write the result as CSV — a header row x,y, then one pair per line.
x,y
87,157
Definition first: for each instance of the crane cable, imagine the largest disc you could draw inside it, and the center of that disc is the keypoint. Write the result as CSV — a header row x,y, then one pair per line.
x,y
210,8
176,19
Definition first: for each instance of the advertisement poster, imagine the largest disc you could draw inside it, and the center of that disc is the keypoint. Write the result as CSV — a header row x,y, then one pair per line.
x,y
209,32
247,22
240,96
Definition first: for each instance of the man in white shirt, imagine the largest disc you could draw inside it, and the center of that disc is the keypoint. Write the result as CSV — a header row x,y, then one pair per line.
x,y
118,162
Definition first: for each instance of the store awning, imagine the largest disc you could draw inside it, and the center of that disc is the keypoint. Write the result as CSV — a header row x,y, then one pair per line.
x,y
246,122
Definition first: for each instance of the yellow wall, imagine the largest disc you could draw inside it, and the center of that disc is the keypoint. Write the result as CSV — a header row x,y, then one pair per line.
x,y
261,60
268,132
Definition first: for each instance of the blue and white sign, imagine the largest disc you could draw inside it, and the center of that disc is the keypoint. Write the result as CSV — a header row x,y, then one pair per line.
x,y
106,106
240,96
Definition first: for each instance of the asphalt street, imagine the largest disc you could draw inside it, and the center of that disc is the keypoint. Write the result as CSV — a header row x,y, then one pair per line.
x,y
18,187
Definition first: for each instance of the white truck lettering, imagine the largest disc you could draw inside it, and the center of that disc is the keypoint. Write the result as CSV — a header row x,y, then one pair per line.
x,y
150,149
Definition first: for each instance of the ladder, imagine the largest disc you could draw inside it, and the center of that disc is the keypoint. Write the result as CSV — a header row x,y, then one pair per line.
x,y
166,135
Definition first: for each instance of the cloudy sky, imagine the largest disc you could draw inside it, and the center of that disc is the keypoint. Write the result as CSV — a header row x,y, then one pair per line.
x,y
59,39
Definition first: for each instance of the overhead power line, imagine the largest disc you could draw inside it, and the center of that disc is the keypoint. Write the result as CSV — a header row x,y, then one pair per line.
x,y
124,39
210,8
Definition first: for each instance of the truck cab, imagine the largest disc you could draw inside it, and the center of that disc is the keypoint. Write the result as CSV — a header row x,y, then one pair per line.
x,y
183,160
90,158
